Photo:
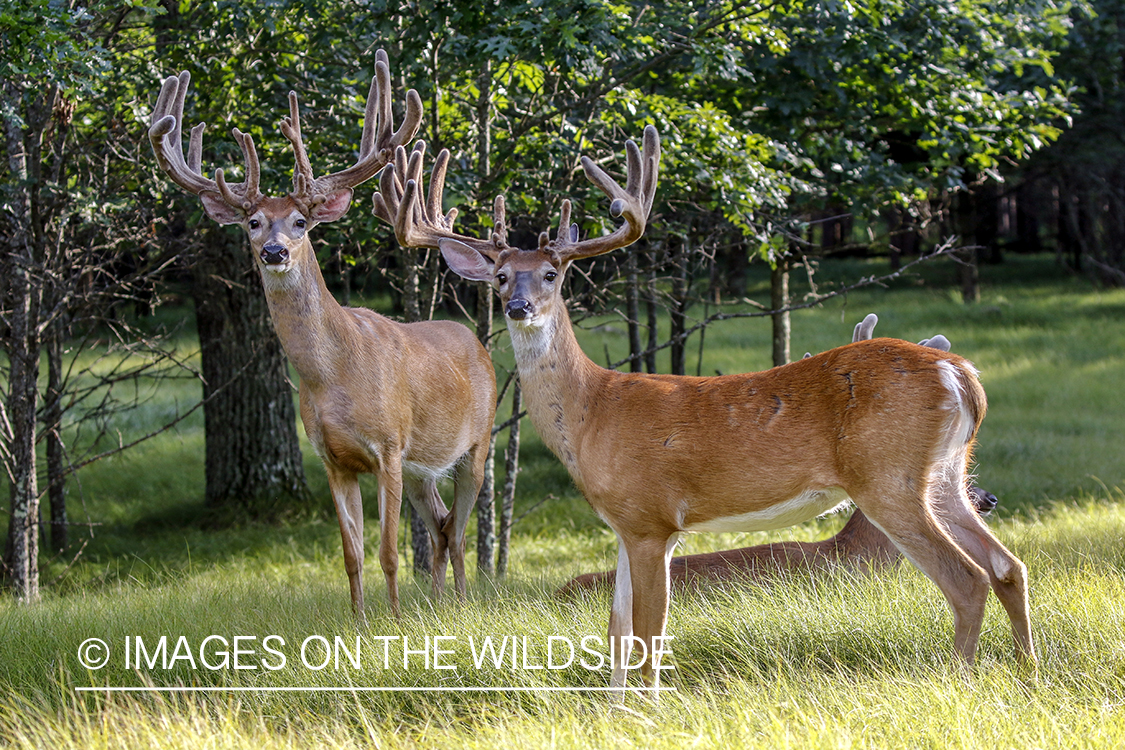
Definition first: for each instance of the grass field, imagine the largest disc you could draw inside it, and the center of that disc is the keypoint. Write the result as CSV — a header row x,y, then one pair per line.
x,y
837,661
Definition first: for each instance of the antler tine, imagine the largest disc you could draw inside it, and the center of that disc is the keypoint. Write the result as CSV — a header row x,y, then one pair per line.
x,y
290,127
499,222
634,202
167,121
379,139
421,223
243,195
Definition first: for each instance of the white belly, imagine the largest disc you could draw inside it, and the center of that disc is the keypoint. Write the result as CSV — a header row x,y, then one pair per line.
x,y
789,513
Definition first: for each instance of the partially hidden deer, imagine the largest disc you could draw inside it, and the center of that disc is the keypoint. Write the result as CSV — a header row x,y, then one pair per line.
x,y
886,423
859,545
410,403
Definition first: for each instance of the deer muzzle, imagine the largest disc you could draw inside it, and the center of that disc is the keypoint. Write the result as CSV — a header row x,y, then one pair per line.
x,y
273,255
518,309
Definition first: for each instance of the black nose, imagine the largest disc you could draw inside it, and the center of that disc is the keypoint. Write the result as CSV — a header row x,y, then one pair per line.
x,y
984,500
274,254
518,309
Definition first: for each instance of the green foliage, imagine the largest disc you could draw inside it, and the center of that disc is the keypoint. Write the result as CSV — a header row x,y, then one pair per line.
x,y
44,44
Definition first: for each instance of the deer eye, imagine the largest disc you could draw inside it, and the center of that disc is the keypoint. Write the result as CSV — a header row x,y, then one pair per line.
x,y
550,276
502,278
254,223
300,223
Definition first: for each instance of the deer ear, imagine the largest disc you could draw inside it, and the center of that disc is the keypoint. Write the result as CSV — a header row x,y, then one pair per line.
x,y
937,342
465,261
219,210
335,206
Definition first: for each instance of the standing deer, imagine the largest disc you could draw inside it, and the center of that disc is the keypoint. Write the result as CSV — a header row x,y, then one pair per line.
x,y
409,403
858,545
886,423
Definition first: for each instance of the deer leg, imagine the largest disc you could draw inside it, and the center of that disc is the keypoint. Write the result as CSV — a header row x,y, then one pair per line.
x,y
426,501
912,527
390,504
648,567
349,511
437,515
1006,573
621,618
467,481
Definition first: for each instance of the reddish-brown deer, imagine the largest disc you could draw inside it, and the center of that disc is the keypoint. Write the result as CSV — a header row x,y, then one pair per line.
x,y
887,423
857,546
409,403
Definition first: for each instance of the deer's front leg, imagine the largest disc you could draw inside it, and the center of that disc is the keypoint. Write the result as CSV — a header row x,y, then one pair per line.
x,y
349,511
621,618
390,504
649,559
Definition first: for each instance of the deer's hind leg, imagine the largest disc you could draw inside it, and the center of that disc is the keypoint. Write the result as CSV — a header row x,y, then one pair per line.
x,y
426,501
467,479
1006,573
901,511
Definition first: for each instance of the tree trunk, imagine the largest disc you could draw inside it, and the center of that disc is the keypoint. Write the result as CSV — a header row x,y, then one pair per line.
x,y
1028,218
511,469
632,309
968,272
253,456
679,305
486,498
779,299
56,455
22,346
651,313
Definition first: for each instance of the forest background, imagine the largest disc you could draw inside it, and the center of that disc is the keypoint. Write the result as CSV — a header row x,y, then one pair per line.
x,y
793,132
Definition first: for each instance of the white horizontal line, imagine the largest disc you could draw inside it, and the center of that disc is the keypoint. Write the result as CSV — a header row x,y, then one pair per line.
x,y
341,689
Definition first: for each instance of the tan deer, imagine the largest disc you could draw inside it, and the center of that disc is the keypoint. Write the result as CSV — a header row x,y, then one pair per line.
x,y
857,546
409,403
886,423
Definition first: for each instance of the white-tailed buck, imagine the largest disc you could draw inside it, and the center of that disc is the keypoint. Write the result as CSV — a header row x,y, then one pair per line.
x,y
409,403
858,545
887,423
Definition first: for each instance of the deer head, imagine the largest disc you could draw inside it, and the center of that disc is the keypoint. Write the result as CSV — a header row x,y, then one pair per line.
x,y
278,226
528,281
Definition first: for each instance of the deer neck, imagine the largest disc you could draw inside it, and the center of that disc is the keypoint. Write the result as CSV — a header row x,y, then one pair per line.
x,y
308,320
557,380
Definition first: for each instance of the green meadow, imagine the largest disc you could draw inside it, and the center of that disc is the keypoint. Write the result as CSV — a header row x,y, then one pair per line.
x,y
257,625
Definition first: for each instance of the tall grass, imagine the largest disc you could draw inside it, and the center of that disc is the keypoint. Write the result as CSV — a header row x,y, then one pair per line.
x,y
833,661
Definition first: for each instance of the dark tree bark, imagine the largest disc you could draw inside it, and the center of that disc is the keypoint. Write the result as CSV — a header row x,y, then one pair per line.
x,y
632,309
986,222
904,239
253,456
968,272
1028,222
56,454
651,309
